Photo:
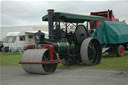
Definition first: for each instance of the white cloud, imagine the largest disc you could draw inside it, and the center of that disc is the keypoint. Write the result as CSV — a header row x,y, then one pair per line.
x,y
30,12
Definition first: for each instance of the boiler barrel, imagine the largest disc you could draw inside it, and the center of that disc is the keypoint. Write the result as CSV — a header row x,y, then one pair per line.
x,y
65,47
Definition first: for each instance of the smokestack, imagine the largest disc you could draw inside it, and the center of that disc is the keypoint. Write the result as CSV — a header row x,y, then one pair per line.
x,y
50,22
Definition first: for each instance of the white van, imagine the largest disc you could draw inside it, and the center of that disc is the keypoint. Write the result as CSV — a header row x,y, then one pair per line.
x,y
18,41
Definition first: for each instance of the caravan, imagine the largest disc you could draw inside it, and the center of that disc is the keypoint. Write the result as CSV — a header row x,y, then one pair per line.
x,y
18,41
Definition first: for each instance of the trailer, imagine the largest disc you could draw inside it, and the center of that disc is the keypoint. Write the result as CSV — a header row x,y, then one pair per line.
x,y
112,33
113,36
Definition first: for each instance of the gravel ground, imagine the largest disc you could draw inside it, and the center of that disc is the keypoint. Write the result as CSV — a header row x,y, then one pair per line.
x,y
63,76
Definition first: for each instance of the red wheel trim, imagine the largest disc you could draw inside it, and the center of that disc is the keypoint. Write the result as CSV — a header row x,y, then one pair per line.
x,y
121,51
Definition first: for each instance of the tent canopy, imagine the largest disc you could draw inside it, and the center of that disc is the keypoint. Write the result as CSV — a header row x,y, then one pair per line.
x,y
110,32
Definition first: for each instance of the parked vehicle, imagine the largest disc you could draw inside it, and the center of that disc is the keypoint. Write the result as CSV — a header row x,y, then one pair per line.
x,y
113,37
18,41
1,45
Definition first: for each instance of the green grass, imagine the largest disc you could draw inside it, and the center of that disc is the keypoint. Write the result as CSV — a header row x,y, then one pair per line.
x,y
10,59
108,62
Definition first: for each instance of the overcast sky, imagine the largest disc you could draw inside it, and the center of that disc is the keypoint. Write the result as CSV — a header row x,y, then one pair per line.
x,y
23,12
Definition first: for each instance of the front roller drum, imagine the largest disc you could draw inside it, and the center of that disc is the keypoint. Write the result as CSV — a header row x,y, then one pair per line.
x,y
34,57
91,51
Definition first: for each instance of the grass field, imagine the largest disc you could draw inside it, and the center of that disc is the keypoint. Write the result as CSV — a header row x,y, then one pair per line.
x,y
10,59
109,62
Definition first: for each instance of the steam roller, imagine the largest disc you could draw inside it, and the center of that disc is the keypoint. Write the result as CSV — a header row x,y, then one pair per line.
x,y
63,44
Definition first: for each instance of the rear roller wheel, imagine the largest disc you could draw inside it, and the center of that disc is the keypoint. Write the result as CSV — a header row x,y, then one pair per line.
x,y
38,55
91,51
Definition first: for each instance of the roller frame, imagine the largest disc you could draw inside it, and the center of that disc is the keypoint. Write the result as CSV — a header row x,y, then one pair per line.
x,y
35,65
43,62
51,51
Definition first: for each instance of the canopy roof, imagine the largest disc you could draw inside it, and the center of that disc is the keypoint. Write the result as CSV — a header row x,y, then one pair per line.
x,y
74,18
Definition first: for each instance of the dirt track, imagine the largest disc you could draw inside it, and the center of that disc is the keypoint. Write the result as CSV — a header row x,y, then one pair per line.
x,y
63,76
